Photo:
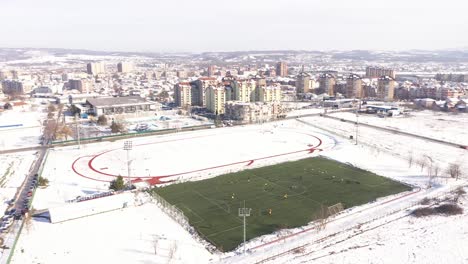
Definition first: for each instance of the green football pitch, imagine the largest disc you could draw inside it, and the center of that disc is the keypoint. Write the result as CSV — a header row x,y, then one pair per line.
x,y
285,195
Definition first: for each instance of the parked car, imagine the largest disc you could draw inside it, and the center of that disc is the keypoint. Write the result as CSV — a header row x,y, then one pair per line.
x,y
8,221
10,212
6,217
4,228
18,216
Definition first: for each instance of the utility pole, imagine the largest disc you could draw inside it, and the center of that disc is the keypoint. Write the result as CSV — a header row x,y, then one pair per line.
x,y
244,212
128,146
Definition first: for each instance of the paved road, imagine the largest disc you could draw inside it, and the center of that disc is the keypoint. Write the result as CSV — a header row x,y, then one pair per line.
x,y
28,182
22,202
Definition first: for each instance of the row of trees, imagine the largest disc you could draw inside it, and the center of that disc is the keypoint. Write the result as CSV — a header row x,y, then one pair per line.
x,y
434,170
55,130
116,126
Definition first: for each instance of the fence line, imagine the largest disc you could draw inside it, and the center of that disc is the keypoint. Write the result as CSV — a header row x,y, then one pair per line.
x,y
179,217
295,246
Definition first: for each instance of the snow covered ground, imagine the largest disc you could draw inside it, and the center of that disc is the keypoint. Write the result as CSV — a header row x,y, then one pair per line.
x,y
128,235
137,234
141,122
28,134
402,146
400,239
440,125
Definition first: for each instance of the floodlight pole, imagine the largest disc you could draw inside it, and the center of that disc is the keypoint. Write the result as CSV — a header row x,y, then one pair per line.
x,y
244,228
128,146
357,121
244,212
78,131
357,126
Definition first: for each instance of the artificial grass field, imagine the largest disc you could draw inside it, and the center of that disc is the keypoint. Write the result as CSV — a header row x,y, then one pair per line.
x,y
212,205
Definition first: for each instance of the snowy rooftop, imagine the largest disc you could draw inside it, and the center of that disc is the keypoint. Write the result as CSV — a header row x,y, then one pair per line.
x,y
116,101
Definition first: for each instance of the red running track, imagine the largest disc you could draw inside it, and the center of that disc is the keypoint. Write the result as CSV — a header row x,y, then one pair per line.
x,y
152,180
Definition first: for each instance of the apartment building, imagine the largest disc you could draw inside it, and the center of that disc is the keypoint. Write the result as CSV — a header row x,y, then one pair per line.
x,y
95,68
125,67
183,94
215,99
303,83
281,69
386,88
354,86
327,83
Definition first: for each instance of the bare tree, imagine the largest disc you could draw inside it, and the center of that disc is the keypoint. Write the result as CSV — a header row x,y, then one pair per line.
x,y
422,162
431,177
454,170
321,216
436,170
49,129
172,251
51,108
64,131
155,244
28,220
410,159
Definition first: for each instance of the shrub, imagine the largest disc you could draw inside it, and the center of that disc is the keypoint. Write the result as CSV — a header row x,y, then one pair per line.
x,y
102,120
117,127
51,108
425,201
444,209
117,184
460,191
449,209
425,211
43,181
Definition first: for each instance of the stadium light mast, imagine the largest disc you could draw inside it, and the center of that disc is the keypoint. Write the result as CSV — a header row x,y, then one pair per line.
x,y
78,130
244,212
357,121
128,146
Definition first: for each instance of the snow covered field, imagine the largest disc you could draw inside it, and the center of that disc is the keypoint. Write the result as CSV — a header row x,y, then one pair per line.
x,y
128,235
26,135
402,146
141,122
439,125
137,234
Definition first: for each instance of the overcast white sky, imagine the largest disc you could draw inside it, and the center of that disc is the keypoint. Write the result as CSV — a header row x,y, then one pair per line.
x,y
218,25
